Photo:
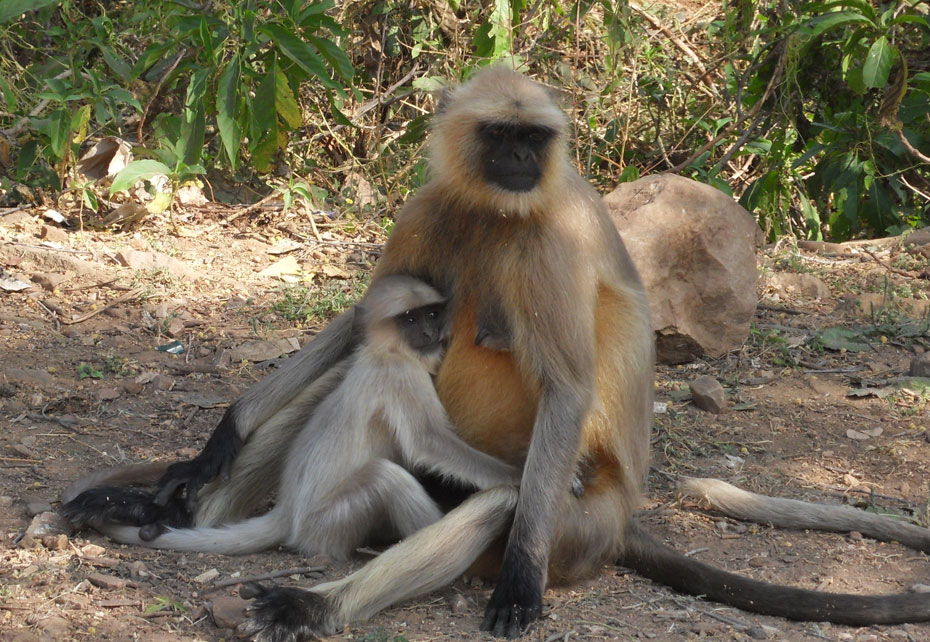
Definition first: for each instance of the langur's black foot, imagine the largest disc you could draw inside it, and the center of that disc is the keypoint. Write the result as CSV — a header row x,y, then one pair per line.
x,y
515,603
129,506
214,460
285,614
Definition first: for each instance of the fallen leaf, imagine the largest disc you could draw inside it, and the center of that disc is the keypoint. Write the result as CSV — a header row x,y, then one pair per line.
x,y
284,246
287,265
838,339
864,434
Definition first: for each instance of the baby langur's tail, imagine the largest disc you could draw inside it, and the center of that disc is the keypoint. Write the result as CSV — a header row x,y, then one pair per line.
x,y
795,514
249,536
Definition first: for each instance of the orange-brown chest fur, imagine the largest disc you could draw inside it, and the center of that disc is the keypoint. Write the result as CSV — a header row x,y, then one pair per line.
x,y
486,397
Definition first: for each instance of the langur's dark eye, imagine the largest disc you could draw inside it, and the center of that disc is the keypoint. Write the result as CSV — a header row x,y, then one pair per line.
x,y
536,137
432,315
410,319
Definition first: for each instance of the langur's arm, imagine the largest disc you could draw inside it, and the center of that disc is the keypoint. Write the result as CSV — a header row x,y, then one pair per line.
x,y
144,474
257,405
435,446
556,344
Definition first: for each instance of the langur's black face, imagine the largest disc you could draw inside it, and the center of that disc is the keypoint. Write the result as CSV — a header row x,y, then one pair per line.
x,y
514,154
422,328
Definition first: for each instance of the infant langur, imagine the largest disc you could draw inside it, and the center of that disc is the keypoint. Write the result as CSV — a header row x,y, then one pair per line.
x,y
342,488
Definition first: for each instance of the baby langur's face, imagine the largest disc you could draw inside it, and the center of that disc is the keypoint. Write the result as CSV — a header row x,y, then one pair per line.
x,y
423,330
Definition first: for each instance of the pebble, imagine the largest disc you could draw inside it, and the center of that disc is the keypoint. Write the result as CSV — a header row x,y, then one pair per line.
x,y
708,394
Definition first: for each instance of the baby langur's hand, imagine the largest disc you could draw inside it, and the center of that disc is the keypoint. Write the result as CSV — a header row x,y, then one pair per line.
x,y
576,485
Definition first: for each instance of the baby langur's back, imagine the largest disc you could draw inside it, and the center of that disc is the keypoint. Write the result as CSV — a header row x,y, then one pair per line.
x,y
348,475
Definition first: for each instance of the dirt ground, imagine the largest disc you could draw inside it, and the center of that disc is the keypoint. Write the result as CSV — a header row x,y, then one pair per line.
x,y
83,385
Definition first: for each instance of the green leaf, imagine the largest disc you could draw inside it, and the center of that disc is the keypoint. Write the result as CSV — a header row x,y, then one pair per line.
x,y
9,96
79,124
838,338
227,111
820,24
192,130
305,56
334,55
59,129
136,171
285,104
264,151
429,83
115,63
263,116
878,62
10,9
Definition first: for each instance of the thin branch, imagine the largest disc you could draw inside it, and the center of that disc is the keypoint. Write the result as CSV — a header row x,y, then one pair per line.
x,y
913,150
776,77
16,129
300,570
891,269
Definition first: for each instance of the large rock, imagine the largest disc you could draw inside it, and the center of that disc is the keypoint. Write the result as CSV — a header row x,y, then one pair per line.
x,y
695,249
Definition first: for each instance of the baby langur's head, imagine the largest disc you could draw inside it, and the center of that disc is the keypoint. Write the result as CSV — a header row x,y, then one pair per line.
x,y
403,314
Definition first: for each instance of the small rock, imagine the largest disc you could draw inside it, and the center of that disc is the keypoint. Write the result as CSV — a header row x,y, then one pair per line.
x,y
458,604
163,382
24,451
108,394
704,629
133,387
855,535
53,234
55,542
49,281
101,580
759,562
762,632
93,550
176,328
138,570
207,576
708,394
800,284
228,611
919,588
104,562
55,626
37,506
154,261
5,501
47,524
920,365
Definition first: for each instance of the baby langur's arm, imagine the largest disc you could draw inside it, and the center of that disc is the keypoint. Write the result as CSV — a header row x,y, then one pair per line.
x,y
438,448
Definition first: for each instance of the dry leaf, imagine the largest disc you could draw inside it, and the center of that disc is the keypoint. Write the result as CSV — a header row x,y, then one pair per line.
x,y
864,434
287,265
106,158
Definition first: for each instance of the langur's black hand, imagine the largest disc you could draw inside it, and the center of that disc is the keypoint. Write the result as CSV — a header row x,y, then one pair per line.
x,y
516,601
215,460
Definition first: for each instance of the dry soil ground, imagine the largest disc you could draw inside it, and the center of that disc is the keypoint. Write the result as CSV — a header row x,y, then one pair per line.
x,y
787,432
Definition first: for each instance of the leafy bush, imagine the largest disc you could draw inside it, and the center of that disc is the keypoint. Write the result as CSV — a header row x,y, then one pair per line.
x,y
815,115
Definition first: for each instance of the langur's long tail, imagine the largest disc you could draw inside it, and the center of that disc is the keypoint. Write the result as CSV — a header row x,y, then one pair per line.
x,y
669,567
795,514
249,536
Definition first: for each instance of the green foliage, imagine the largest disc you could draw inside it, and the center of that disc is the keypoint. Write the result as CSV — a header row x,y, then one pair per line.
x,y
842,91
235,66
302,303
85,370
815,115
